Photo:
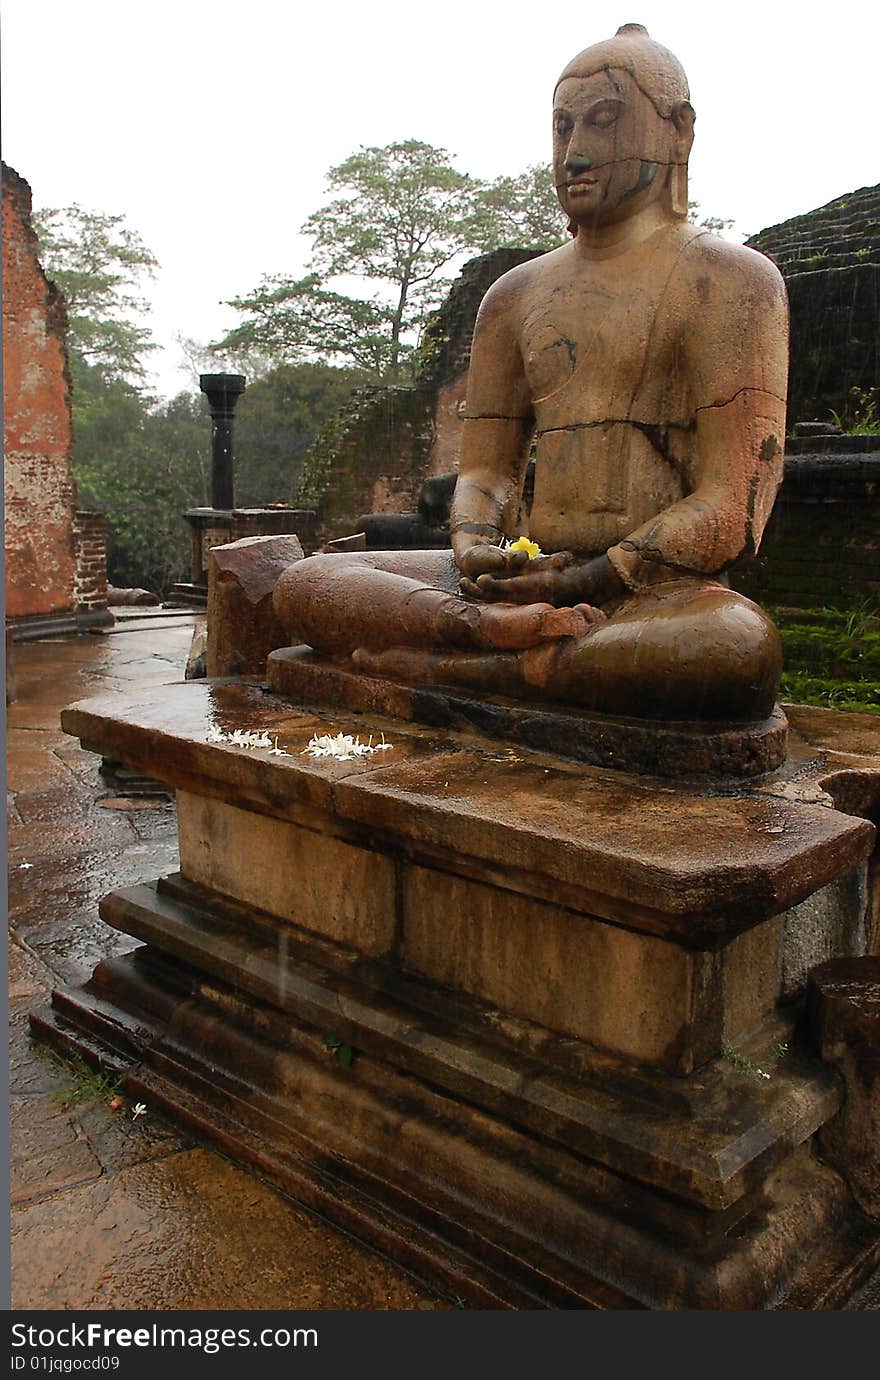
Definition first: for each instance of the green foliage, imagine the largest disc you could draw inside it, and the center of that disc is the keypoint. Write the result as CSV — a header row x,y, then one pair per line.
x,y
831,657
146,465
521,211
338,1050
276,423
85,1083
98,263
143,467
402,215
293,320
861,415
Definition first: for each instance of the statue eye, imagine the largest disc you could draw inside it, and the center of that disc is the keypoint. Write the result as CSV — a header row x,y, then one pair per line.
x,y
562,125
605,114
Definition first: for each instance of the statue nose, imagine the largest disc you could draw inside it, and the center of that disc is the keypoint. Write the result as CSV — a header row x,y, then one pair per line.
x,y
577,163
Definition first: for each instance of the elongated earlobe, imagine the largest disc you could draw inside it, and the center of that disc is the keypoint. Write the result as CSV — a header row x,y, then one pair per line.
x,y
678,190
683,117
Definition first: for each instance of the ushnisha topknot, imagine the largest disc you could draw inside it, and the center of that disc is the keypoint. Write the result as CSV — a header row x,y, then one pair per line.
x,y
656,71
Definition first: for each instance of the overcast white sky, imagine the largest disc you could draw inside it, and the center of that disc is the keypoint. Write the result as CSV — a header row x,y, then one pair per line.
x,y
211,123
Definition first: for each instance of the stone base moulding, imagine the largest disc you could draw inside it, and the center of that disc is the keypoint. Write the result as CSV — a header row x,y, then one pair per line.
x,y
578,1074
625,744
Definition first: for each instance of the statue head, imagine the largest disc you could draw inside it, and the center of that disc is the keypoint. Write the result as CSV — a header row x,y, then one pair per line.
x,y
623,127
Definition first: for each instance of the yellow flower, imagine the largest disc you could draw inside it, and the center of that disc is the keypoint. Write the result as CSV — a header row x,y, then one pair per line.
x,y
523,544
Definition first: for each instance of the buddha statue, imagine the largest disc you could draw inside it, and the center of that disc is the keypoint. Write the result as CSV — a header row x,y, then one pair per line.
x,y
646,359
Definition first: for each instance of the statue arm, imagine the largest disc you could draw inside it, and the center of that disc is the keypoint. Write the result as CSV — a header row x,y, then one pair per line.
x,y
736,354
495,440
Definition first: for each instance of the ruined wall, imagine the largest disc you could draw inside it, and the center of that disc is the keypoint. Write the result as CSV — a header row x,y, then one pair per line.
x,y
371,458
821,546
830,259
39,484
90,544
374,455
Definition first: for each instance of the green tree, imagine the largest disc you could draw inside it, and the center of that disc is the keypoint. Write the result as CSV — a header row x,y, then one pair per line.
x,y
277,420
297,320
98,263
521,211
143,466
403,214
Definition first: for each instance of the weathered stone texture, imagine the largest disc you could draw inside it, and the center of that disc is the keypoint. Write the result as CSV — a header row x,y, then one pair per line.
x,y
39,483
822,543
844,1009
242,626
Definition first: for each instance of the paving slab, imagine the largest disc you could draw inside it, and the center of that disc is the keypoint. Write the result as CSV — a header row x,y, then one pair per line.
x,y
190,1231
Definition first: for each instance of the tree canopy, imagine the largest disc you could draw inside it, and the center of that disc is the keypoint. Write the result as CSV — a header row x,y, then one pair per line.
x,y
296,319
523,211
99,264
142,462
404,217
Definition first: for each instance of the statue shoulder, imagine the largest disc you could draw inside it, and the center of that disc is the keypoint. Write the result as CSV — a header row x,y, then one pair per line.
x,y
733,269
507,294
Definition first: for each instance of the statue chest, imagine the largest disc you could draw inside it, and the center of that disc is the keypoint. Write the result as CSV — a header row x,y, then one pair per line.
x,y
597,351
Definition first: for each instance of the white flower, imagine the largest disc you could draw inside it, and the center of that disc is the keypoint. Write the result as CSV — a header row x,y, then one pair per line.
x,y
342,747
246,738
140,1109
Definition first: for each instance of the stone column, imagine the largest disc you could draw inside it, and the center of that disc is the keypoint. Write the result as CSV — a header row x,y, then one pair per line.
x,y
222,392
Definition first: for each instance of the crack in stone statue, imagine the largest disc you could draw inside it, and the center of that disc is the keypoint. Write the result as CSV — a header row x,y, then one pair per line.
x,y
642,327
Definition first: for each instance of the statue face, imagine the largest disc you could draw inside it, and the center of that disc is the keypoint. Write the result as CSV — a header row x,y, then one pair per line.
x,y
610,148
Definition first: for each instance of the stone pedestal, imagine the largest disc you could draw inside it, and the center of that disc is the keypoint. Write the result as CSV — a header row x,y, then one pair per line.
x,y
844,1001
530,1026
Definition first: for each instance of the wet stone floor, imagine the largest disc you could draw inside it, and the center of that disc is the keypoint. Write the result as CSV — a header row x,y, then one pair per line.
x,y
109,1210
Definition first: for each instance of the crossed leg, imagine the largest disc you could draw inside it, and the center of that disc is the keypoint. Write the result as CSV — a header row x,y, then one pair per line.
x,y
685,649
373,601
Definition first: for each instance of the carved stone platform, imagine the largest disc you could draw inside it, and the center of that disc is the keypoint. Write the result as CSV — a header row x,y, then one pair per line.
x,y
578,1076
626,744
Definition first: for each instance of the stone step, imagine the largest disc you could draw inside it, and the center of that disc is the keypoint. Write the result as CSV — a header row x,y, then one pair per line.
x,y
692,1152
455,1193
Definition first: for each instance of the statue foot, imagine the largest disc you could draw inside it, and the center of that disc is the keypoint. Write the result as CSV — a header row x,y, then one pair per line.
x,y
490,672
516,627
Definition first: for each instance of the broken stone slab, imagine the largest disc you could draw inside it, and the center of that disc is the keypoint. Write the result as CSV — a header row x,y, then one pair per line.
x,y
844,1008
242,626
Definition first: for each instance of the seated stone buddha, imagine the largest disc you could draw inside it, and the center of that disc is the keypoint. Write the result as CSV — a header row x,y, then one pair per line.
x,y
646,359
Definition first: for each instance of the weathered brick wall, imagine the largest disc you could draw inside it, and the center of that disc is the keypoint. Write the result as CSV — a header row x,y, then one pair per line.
x,y
39,483
830,260
822,543
90,581
371,458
